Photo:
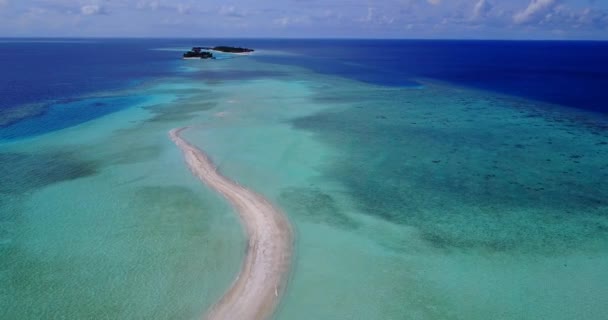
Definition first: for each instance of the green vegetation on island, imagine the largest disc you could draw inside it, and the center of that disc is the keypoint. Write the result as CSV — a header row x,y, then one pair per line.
x,y
231,49
197,52
200,53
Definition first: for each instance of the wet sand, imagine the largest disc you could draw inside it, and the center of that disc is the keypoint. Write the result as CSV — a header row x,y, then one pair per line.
x,y
257,288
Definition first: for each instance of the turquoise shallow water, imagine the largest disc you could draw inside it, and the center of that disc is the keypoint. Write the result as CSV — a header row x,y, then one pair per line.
x,y
103,220
434,202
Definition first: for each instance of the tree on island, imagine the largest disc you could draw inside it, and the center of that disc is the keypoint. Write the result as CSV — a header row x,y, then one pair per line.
x,y
232,49
198,53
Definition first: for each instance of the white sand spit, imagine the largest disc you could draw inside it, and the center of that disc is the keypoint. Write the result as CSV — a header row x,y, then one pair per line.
x,y
257,288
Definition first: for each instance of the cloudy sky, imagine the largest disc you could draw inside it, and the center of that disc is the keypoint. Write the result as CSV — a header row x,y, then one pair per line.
x,y
479,19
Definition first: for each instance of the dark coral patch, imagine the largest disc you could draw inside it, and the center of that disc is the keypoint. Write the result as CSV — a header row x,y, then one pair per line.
x,y
315,206
23,172
178,111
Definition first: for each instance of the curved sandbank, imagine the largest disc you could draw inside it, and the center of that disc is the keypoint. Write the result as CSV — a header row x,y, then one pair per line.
x,y
257,288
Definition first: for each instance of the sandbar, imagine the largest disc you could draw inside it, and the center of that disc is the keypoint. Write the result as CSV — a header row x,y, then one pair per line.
x,y
256,291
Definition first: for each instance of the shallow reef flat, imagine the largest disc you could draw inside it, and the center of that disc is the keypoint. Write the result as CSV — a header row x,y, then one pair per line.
x,y
423,202
498,197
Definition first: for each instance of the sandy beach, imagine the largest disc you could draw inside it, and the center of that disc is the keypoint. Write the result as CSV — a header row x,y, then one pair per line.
x,y
258,287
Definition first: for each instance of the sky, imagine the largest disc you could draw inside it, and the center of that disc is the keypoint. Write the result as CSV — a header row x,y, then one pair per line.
x,y
432,19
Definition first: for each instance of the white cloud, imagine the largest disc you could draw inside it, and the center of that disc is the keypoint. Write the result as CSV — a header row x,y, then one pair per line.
x,y
283,21
370,14
594,18
375,16
551,14
326,16
481,9
231,11
563,16
288,21
91,9
369,18
147,4
184,8
536,10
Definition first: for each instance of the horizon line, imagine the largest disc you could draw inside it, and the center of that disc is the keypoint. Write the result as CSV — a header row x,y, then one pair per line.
x,y
299,38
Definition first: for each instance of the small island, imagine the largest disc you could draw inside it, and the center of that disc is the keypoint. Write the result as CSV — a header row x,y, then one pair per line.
x,y
232,49
198,53
204,52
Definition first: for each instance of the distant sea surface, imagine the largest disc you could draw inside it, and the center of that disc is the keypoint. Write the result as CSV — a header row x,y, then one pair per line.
x,y
573,74
424,179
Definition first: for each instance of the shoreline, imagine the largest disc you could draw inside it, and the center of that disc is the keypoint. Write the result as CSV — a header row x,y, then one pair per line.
x,y
257,289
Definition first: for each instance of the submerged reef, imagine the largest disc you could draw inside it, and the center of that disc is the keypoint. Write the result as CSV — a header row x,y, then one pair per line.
x,y
12,115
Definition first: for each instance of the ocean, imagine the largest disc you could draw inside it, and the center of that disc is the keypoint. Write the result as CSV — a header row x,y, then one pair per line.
x,y
424,179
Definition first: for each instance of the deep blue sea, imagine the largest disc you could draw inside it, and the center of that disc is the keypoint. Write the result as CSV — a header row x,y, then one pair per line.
x,y
35,70
573,74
